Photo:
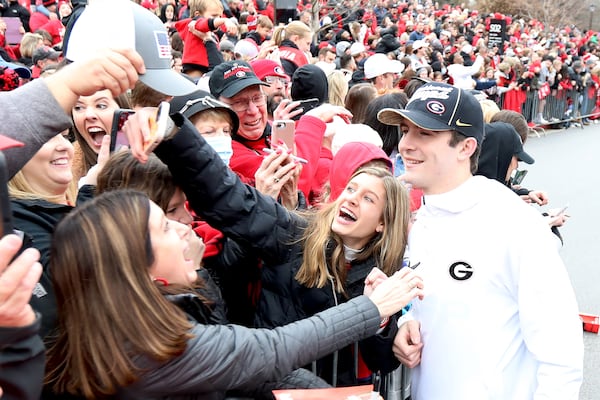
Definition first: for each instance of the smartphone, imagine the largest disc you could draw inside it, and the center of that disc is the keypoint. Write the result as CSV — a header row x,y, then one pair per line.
x,y
5,199
5,209
117,136
284,130
160,126
561,211
519,176
306,105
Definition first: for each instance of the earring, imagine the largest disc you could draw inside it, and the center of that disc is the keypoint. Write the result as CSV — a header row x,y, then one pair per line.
x,y
162,281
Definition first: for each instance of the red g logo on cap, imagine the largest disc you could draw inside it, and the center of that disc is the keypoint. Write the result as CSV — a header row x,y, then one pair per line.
x,y
436,107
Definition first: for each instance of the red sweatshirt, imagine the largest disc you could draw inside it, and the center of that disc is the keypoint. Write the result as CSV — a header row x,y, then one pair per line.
x,y
248,154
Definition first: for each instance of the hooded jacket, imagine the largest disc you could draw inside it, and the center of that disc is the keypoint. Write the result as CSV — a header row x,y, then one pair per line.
x,y
309,82
496,151
348,159
501,143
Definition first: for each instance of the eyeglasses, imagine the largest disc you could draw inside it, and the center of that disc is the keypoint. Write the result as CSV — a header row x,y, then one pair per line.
x,y
274,79
242,105
206,101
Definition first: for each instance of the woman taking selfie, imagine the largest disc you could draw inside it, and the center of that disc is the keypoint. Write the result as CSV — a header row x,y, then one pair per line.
x,y
311,262
156,349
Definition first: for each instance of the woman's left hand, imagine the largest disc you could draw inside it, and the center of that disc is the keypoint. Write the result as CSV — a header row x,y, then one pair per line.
x,y
375,277
91,177
287,109
274,172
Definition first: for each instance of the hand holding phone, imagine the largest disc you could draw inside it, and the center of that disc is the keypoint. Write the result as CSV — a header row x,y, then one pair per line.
x,y
519,176
306,105
160,127
118,138
560,211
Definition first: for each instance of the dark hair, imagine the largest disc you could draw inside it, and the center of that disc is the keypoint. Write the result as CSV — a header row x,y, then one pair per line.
x,y
358,98
517,120
389,133
124,171
345,61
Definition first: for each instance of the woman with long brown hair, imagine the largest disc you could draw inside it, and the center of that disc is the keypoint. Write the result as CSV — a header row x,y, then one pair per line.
x,y
312,261
122,331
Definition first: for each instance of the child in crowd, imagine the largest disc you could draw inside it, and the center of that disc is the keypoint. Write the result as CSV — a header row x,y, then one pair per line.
x,y
200,52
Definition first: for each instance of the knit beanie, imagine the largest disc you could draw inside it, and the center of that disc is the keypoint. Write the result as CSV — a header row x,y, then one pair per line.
x,y
309,82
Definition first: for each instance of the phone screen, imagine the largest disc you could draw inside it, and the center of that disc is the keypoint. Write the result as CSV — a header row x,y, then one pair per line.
x,y
283,130
5,207
117,136
519,176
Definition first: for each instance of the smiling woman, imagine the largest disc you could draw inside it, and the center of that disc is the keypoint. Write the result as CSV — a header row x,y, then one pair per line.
x,y
92,119
42,193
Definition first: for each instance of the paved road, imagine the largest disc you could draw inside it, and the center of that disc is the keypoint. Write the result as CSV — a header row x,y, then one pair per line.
x,y
567,166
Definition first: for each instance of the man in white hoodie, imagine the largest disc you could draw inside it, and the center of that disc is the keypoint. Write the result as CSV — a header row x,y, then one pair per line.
x,y
499,319
461,74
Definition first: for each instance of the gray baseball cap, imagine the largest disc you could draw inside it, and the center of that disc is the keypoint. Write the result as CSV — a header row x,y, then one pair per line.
x,y
125,24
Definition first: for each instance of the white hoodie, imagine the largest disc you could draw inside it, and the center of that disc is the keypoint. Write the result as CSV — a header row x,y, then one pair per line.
x,y
499,320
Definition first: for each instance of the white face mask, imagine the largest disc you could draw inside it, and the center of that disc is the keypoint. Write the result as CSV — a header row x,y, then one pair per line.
x,y
222,145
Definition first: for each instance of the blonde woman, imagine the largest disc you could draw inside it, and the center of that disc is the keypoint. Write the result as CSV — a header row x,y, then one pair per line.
x,y
42,193
338,88
29,43
293,41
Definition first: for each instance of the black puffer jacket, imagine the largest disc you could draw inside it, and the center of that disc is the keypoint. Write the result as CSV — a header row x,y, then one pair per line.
x,y
252,219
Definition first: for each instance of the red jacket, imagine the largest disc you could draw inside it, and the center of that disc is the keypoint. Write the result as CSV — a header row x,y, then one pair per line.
x,y
194,51
248,154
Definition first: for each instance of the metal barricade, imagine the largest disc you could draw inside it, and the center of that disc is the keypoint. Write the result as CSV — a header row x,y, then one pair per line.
x,y
560,105
396,384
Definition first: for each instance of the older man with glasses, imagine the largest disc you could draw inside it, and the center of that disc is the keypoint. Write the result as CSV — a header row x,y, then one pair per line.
x,y
236,84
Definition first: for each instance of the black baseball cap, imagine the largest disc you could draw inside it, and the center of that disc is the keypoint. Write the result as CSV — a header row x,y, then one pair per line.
x,y
517,145
198,101
229,78
438,106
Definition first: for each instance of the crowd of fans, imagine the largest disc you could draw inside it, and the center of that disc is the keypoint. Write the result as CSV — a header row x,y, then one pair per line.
x,y
157,267
441,44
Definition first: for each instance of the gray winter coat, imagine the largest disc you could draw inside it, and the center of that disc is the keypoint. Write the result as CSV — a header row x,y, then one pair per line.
x,y
31,115
224,357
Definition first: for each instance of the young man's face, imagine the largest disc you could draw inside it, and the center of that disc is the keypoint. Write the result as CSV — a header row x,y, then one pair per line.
x,y
431,164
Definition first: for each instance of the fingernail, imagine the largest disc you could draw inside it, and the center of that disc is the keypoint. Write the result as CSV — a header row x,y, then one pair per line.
x,y
280,142
279,150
